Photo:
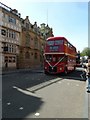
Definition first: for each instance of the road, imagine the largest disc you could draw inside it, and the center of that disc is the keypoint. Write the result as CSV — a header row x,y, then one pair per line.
x,y
36,95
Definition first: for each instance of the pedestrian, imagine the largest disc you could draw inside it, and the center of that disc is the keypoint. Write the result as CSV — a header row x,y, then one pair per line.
x,y
87,69
83,75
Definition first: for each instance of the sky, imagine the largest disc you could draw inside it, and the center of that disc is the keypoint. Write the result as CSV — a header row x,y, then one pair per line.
x,y
67,19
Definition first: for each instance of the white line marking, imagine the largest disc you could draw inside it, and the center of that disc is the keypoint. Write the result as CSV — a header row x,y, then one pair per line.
x,y
14,87
37,114
8,103
25,91
21,108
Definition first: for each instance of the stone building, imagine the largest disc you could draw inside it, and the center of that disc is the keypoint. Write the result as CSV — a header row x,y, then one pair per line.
x,y
10,29
21,43
32,44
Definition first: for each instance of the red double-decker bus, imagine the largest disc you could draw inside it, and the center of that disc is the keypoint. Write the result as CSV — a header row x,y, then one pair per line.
x,y
59,55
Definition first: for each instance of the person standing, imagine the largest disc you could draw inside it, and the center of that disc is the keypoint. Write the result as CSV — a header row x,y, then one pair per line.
x,y
88,74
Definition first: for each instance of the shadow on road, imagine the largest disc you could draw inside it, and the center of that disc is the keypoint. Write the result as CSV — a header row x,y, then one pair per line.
x,y
75,75
17,104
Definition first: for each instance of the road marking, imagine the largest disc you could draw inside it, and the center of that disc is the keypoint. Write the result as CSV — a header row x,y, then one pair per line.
x,y
25,91
21,108
37,114
9,103
14,87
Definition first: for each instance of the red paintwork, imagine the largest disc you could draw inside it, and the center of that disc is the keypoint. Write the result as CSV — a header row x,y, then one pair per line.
x,y
64,49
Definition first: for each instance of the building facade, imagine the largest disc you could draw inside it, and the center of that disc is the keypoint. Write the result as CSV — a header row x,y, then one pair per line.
x,y
10,30
21,43
32,44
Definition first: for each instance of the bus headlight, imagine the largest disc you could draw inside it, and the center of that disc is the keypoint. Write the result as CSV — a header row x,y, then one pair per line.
x,y
45,67
60,68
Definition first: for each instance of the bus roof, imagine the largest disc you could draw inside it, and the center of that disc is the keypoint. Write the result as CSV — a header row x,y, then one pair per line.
x,y
55,38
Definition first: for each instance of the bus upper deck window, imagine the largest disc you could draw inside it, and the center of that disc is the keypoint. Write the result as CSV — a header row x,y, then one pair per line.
x,y
58,42
50,43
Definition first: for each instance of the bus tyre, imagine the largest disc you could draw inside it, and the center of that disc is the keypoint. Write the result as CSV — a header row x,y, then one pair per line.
x,y
66,71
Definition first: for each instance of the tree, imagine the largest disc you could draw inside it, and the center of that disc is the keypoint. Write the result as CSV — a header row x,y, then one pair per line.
x,y
85,52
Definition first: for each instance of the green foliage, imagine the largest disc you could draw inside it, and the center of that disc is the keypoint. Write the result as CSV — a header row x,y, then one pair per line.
x,y
85,52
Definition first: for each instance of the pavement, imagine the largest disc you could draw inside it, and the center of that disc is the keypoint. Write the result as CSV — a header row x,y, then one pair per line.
x,y
37,69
